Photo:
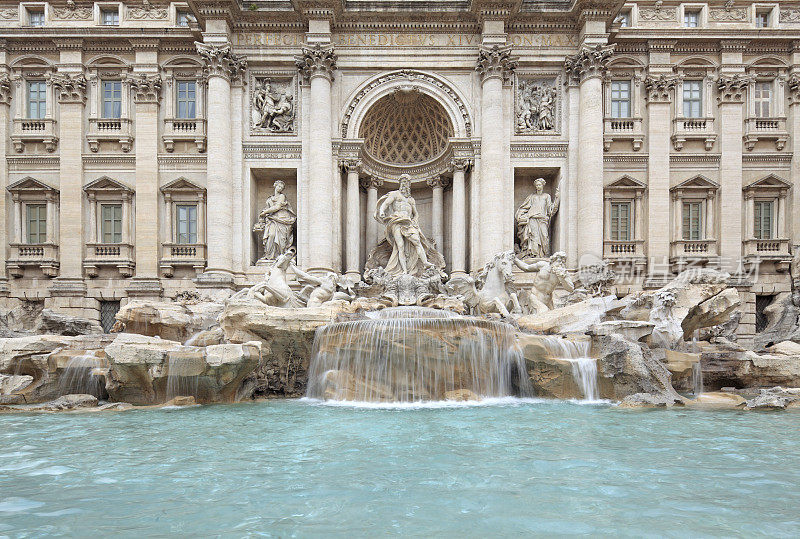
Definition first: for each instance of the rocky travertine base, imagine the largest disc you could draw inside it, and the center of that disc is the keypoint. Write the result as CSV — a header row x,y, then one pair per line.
x,y
169,320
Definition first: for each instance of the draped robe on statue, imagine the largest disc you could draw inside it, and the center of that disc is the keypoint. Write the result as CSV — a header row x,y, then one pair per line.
x,y
385,255
533,225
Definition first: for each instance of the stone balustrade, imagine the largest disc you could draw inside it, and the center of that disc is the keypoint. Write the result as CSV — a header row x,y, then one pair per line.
x,y
28,131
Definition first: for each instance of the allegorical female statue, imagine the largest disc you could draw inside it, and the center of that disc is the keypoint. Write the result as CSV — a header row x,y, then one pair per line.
x,y
533,222
276,222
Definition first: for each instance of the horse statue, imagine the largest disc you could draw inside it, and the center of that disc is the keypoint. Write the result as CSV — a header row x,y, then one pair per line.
x,y
492,289
274,289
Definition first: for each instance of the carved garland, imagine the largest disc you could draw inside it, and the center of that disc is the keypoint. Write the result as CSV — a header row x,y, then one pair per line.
x,y
410,75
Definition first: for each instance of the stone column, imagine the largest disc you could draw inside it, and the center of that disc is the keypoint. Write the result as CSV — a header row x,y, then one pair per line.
x,y
17,218
437,211
793,87
317,65
222,66
495,66
588,67
5,121
371,185
659,94
146,92
94,224
731,99
353,220
71,93
458,216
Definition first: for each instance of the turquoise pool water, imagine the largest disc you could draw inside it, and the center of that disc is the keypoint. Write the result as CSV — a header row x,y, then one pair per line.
x,y
294,468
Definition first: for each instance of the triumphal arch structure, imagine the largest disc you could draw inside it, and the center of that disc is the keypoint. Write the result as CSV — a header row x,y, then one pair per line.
x,y
154,147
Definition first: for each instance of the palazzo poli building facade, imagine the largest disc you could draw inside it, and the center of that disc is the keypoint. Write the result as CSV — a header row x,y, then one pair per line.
x,y
142,139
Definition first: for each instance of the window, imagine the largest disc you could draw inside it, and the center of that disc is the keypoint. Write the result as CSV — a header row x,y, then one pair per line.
x,y
37,99
183,18
692,221
35,17
692,99
37,223
691,19
624,19
762,95
108,314
187,99
621,99
187,223
112,99
762,19
111,224
620,221
109,17
763,219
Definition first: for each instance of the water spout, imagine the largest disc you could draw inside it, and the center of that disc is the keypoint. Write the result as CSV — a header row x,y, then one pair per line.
x,y
83,374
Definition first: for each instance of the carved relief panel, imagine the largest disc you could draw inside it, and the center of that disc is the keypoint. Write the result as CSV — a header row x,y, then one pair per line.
x,y
273,103
537,104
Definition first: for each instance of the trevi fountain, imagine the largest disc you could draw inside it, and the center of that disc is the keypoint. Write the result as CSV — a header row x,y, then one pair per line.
x,y
408,402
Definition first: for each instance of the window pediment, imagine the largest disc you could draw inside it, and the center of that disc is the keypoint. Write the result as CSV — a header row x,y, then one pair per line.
x,y
769,185
697,182
183,186
626,183
30,185
105,184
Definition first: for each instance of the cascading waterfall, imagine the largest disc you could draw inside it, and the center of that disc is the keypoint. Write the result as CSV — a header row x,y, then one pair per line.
x,y
411,354
697,378
183,372
584,367
84,374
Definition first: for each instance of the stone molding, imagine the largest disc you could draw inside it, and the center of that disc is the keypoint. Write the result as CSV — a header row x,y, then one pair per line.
x,y
220,61
658,14
496,62
539,151
316,61
146,88
72,13
727,14
659,89
588,63
272,151
5,89
147,12
732,88
69,88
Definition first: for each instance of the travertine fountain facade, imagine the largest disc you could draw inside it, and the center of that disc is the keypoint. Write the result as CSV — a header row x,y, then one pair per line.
x,y
153,147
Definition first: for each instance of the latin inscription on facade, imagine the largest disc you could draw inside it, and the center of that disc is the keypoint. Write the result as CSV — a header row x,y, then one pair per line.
x,y
392,40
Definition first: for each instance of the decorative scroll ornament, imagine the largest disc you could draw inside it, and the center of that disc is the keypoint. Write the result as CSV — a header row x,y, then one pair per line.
x,y
72,12
272,106
537,102
147,11
790,15
589,62
146,88
9,13
657,14
5,89
659,89
731,88
496,62
70,88
221,61
316,61
727,14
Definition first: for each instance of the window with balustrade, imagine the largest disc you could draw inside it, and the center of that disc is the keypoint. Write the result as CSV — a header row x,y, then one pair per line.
x,y
766,104
767,220
623,104
694,232
692,220
184,122
110,242
186,106
183,245
111,99
692,99
34,228
111,223
624,210
620,99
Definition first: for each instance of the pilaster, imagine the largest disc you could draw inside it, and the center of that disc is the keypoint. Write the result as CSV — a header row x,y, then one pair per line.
x,y
458,215
5,112
793,85
352,167
371,185
659,94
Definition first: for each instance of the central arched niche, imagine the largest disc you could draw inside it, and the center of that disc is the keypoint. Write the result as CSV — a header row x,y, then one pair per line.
x,y
406,129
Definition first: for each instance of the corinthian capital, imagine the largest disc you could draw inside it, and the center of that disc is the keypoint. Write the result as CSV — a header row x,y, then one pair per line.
x,y
5,89
350,165
437,182
316,61
659,89
461,164
69,88
221,61
589,62
495,62
146,88
373,182
732,88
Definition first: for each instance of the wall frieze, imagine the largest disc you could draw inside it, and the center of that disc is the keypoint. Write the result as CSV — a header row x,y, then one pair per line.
x,y
172,161
292,150
758,160
694,160
556,150
626,160
790,15
727,14
9,13
117,161
37,162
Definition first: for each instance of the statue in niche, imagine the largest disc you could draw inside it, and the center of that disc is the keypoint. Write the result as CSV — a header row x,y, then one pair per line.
x,y
537,107
405,249
272,110
275,223
550,274
533,222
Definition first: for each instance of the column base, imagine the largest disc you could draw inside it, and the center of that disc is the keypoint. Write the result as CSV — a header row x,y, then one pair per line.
x,y
215,279
68,287
320,271
144,288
